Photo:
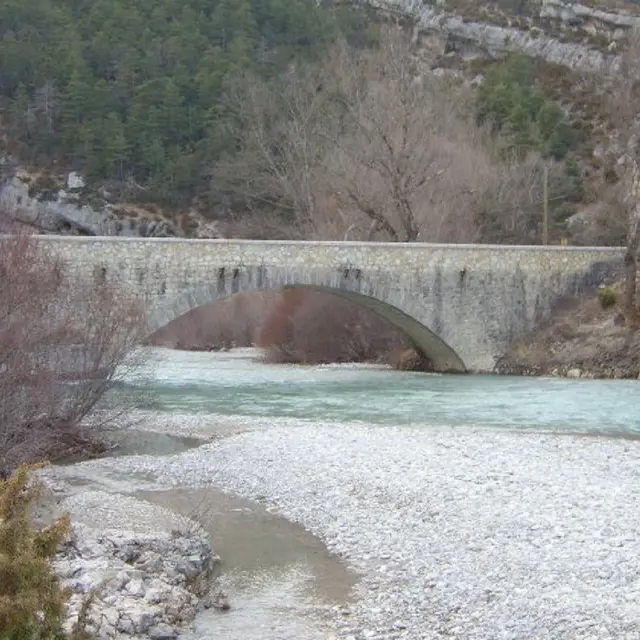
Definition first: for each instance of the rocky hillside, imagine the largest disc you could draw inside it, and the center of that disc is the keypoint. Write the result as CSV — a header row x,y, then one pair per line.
x,y
580,37
583,339
63,203
573,44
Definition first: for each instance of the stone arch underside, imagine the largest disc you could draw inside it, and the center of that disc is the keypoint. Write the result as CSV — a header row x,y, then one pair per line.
x,y
442,356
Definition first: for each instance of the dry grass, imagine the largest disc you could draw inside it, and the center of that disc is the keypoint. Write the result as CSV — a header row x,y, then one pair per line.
x,y
580,335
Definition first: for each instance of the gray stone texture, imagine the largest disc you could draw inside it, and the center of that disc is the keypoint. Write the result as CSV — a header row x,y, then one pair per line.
x,y
475,298
494,41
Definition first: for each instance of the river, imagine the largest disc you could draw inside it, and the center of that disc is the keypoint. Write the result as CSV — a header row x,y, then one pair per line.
x,y
344,450
237,384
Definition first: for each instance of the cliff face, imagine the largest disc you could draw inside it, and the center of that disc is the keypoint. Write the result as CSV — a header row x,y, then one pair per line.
x,y
53,205
580,37
65,210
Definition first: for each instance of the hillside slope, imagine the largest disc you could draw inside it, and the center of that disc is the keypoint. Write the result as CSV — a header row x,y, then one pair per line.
x,y
134,103
580,340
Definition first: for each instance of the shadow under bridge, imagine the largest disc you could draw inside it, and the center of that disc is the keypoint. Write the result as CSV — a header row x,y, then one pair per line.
x,y
443,358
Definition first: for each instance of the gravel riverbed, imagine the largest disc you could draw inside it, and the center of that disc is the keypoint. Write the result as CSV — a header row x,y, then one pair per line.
x,y
456,532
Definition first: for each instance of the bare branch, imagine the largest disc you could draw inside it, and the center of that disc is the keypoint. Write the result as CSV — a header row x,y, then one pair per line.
x,y
62,348
372,142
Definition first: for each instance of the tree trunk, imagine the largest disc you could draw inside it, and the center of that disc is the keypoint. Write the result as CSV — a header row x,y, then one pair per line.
x,y
631,255
631,266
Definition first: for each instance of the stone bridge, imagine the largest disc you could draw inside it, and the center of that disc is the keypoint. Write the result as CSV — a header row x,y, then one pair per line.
x,y
461,305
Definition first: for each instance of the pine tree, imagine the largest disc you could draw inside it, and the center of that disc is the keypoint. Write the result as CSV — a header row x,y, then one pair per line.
x,y
114,147
172,114
32,602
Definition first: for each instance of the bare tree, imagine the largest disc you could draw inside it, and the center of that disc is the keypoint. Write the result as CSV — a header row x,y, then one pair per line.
x,y
276,132
63,345
366,134
371,145
401,138
625,98
511,196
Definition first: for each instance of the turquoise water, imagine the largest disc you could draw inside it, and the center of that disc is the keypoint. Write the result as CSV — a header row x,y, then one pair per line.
x,y
237,384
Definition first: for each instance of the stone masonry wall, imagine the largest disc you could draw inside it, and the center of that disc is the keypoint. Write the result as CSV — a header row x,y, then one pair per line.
x,y
476,298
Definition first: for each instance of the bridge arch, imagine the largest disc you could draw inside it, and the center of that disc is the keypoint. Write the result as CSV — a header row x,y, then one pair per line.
x,y
477,299
442,356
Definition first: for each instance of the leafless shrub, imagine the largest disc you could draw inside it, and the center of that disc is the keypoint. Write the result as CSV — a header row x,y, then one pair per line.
x,y
63,345
234,321
311,327
276,130
605,221
371,145
408,359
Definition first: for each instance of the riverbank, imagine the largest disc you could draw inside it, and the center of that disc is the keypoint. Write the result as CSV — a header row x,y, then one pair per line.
x,y
141,556
429,517
134,569
465,533
581,340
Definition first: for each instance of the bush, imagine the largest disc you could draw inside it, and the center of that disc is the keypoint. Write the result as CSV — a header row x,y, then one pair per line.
x,y
63,343
311,327
32,601
511,103
410,360
607,296
232,322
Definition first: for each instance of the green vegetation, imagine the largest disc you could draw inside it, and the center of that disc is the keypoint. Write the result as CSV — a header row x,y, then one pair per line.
x,y
607,296
511,102
32,602
141,98
130,90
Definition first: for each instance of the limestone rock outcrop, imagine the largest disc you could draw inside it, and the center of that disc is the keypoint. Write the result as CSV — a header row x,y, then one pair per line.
x,y
136,570
573,35
71,207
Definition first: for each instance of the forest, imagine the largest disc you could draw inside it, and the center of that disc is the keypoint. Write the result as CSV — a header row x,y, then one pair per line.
x,y
283,112
132,89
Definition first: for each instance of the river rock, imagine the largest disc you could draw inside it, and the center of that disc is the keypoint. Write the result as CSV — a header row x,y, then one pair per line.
x,y
143,570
